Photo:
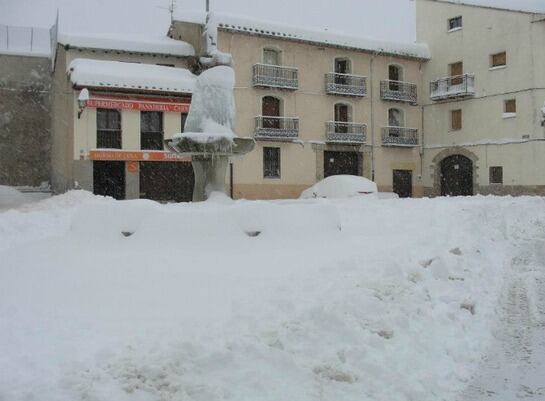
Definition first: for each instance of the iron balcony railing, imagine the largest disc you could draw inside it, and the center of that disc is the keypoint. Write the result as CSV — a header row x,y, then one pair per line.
x,y
345,132
399,136
398,91
451,87
345,84
276,128
275,76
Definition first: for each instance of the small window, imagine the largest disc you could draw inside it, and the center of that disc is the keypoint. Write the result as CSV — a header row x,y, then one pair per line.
x,y
108,129
151,130
496,175
456,120
498,60
510,106
184,119
271,57
271,162
455,23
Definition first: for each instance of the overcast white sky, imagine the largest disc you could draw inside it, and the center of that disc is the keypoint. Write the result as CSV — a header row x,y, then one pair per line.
x,y
381,19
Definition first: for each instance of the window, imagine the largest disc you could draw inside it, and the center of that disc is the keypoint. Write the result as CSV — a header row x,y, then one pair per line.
x,y
271,162
455,23
498,60
395,74
342,66
270,109
456,120
108,129
456,71
151,130
496,175
271,57
510,106
395,118
184,119
343,115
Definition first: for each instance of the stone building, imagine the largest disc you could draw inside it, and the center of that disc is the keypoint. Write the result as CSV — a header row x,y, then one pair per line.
x,y
483,92
318,104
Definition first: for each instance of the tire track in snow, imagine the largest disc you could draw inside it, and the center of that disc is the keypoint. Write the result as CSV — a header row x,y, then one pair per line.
x,y
514,367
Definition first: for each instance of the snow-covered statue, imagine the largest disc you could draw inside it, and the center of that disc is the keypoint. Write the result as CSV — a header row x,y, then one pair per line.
x,y
208,134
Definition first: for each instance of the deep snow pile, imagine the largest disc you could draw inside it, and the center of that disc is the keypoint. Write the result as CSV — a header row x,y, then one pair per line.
x,y
252,300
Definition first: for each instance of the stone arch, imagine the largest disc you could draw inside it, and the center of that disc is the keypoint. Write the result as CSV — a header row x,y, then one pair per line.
x,y
435,167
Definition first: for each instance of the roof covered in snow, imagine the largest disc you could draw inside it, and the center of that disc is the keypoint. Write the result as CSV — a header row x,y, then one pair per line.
x,y
249,25
24,41
130,76
526,6
133,43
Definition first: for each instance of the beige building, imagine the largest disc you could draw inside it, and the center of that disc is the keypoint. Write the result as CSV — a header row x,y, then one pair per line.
x,y
114,101
319,104
483,92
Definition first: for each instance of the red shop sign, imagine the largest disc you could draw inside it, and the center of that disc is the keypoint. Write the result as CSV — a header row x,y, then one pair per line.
x,y
138,104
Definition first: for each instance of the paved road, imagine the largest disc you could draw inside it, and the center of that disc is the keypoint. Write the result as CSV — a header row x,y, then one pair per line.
x,y
514,367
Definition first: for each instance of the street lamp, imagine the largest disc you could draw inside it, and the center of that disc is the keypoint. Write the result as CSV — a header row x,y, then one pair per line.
x,y
83,98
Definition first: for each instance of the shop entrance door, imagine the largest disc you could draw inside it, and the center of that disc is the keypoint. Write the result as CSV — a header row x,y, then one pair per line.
x,y
109,179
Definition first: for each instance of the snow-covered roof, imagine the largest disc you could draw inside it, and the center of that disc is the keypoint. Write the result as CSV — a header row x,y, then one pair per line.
x,y
130,76
264,28
24,41
526,6
125,43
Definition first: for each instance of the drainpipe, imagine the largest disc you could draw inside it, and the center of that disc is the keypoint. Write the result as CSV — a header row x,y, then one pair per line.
x,y
231,180
371,82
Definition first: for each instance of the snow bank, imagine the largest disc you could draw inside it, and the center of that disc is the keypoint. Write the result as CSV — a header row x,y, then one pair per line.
x,y
116,74
10,198
264,28
196,305
133,43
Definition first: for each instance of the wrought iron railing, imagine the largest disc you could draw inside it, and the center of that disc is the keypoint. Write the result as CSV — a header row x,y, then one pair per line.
x,y
276,128
450,87
344,132
399,136
275,76
398,91
345,84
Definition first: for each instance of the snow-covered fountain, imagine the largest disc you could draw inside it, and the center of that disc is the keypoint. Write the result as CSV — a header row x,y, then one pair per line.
x,y
208,135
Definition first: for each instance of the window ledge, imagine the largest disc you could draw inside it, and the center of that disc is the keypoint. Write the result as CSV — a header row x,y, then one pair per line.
x,y
508,115
455,29
498,67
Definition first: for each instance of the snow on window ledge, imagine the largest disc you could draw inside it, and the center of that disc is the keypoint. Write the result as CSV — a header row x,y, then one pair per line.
x,y
498,67
508,115
458,28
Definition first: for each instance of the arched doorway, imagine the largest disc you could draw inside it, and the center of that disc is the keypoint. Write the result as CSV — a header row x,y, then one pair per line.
x,y
456,176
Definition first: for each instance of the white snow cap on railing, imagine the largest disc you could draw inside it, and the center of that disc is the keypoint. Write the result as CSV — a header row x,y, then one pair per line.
x,y
133,76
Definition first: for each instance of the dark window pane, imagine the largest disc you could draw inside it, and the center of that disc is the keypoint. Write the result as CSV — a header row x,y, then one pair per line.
x,y
151,130
496,175
184,119
271,162
108,129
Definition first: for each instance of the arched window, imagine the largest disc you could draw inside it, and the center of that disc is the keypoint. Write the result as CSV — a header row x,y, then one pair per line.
x,y
271,111
395,75
271,56
396,118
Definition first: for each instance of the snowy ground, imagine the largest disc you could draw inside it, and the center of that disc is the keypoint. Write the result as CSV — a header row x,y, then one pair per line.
x,y
411,300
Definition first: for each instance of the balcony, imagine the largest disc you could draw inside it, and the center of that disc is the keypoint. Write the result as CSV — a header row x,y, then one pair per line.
x,y
275,76
398,91
344,132
399,136
276,128
453,87
345,84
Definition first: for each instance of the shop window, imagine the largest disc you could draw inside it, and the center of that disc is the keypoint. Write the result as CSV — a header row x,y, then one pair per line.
x,y
456,120
455,23
151,130
496,175
271,162
108,129
498,60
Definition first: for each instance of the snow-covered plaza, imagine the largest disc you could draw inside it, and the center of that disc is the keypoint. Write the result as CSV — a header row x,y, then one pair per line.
x,y
382,300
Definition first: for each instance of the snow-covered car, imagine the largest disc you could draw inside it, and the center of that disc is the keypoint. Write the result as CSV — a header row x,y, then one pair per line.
x,y
341,186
